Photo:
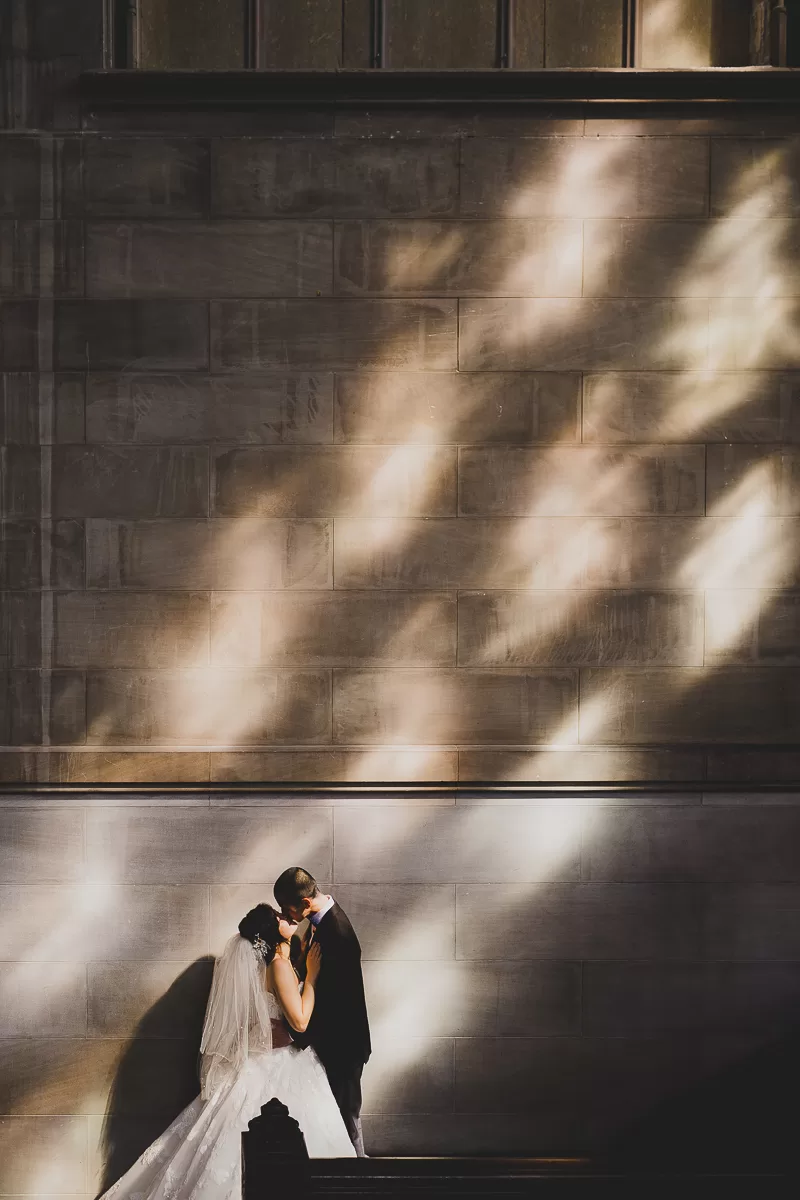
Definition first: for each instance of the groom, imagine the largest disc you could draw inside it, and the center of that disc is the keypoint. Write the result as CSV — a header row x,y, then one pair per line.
x,y
338,1029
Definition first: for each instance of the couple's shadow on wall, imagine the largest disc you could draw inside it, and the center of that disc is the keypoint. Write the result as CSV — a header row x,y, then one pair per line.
x,y
157,1074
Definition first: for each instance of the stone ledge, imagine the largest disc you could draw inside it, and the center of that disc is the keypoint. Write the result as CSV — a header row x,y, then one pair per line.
x,y
124,89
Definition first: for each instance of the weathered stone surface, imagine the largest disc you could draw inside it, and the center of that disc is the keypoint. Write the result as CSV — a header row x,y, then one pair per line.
x,y
754,704
766,169
48,999
724,406
583,33
592,335
486,999
597,177
337,766
203,846
703,258
266,409
643,998
714,553
745,626
582,921
209,258
536,1076
46,1076
19,335
69,400
545,999
145,177
41,409
20,481
467,258
413,707
426,845
695,845
447,33
41,258
118,630
207,707
19,408
330,629
664,258
425,1086
580,766
755,923
326,482
508,120
89,766
392,926
683,845
205,37
22,559
26,1140
152,335
529,22
473,989
741,476
680,35
68,29
20,629
40,846
305,35
509,629
220,554
537,552
120,995
419,406
647,480
742,335
129,481
29,714
734,764
348,177
333,334
20,176
356,33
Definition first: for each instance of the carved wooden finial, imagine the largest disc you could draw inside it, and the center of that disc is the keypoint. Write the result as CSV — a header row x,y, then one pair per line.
x,y
274,1153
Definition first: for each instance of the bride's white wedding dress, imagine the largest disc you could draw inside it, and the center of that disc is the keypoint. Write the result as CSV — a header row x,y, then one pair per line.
x,y
199,1156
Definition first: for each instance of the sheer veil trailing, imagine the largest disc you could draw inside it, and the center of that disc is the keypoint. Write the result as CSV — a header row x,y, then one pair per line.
x,y
237,1017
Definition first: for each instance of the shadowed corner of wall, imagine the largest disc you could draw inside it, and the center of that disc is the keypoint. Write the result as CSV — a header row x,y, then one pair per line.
x,y
738,1117
148,1080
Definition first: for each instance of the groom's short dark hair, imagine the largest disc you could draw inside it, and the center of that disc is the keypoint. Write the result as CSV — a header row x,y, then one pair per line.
x,y
295,885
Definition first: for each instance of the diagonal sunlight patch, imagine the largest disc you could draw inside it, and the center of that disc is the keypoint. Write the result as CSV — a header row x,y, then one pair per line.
x,y
669,37
746,550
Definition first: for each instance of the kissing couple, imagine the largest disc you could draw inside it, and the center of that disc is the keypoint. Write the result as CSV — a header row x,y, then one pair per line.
x,y
286,1019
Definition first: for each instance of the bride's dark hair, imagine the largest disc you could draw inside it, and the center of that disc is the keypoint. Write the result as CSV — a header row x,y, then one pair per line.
x,y
260,926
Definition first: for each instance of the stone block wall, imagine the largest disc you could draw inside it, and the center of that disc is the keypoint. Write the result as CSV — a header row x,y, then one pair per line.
x,y
400,446
567,977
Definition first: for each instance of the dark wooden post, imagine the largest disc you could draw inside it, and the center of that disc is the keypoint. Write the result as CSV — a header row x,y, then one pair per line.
x,y
274,1156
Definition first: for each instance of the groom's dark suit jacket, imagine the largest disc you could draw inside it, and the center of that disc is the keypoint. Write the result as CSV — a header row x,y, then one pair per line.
x,y
338,1029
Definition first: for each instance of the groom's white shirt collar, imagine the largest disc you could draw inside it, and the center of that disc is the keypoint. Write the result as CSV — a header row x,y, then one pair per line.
x,y
316,917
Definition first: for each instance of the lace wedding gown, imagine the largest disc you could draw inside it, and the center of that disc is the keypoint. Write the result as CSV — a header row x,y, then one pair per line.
x,y
199,1156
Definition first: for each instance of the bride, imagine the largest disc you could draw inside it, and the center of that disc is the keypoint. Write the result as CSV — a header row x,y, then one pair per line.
x,y
247,1059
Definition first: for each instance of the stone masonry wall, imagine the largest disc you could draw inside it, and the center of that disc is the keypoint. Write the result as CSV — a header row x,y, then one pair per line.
x,y
389,446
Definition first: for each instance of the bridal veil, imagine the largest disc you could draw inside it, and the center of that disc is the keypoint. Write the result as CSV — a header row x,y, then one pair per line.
x,y
237,1017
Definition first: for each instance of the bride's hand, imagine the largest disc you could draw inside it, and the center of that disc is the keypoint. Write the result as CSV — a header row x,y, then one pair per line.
x,y
313,963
